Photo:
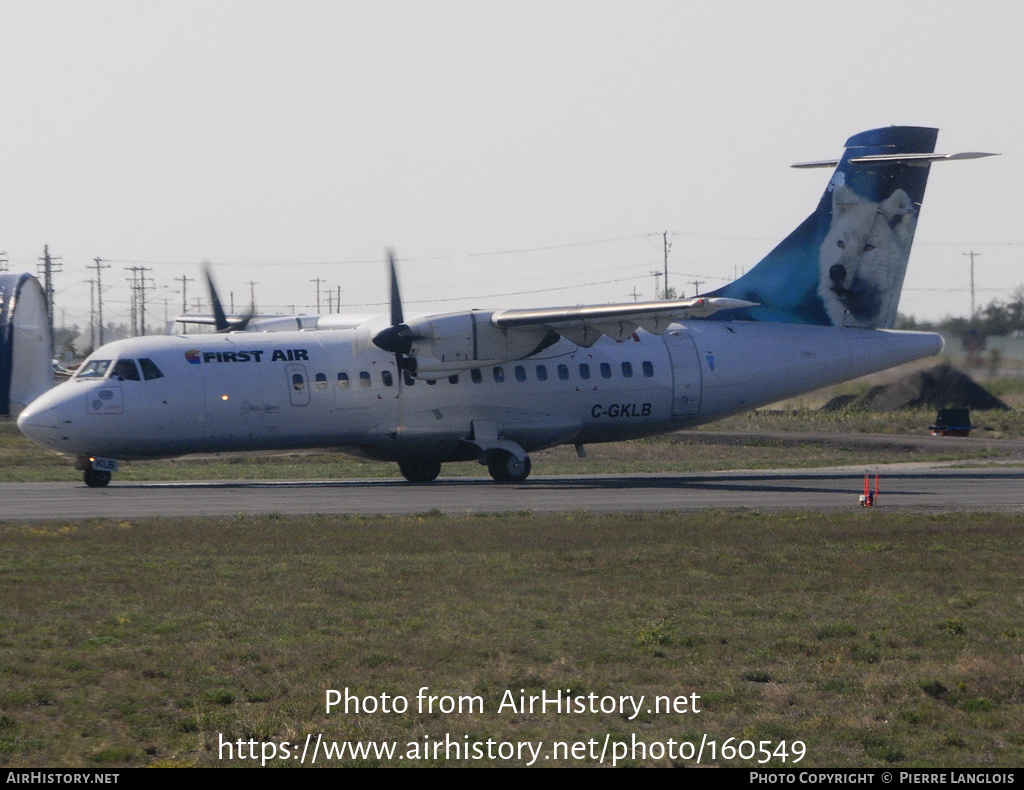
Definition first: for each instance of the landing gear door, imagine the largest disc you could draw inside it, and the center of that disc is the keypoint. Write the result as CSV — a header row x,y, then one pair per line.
x,y
686,374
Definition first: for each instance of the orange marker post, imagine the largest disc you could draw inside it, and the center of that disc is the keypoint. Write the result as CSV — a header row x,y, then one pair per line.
x,y
867,499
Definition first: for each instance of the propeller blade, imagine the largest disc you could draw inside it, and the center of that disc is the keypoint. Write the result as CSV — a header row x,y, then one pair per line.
x,y
219,318
396,297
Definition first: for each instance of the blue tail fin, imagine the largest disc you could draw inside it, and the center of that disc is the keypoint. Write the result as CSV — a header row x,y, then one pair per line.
x,y
844,265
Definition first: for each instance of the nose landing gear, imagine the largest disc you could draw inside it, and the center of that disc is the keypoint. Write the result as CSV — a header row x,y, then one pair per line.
x,y
96,471
96,478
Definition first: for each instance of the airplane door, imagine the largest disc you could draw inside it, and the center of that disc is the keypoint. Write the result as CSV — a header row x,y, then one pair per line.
x,y
298,385
686,374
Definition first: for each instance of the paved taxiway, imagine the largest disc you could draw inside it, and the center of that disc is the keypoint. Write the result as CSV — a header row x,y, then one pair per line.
x,y
905,487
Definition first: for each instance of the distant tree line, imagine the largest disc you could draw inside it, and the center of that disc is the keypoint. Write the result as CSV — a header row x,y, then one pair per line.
x,y
998,318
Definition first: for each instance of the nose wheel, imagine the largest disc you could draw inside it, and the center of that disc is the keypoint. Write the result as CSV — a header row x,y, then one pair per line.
x,y
96,478
506,468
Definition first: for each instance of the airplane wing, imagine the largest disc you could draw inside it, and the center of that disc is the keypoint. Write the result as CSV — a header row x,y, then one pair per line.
x,y
585,325
439,345
196,318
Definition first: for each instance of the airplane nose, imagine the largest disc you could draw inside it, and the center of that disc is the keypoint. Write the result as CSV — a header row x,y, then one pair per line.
x,y
39,424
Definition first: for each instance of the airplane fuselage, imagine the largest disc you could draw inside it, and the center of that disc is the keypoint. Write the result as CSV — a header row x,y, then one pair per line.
x,y
496,385
335,389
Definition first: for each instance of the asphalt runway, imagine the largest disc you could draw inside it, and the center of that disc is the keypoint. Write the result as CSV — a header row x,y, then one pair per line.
x,y
902,487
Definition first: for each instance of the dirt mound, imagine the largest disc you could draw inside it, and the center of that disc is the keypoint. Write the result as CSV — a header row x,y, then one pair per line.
x,y
941,387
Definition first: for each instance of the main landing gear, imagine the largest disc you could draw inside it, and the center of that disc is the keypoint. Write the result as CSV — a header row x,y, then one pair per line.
x,y
96,478
507,468
503,466
420,471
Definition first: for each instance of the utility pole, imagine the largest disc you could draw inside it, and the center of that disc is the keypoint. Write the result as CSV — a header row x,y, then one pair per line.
x,y
696,286
664,238
142,298
3,262
185,280
135,293
138,299
49,266
92,315
972,254
99,267
252,295
317,280
656,274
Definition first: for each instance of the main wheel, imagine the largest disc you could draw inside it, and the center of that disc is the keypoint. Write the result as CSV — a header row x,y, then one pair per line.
x,y
96,478
506,468
420,471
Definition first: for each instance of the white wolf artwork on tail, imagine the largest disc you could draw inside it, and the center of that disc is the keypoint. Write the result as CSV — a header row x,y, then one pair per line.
x,y
864,257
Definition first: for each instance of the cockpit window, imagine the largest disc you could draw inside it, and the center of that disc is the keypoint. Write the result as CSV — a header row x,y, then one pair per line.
x,y
94,369
125,370
149,370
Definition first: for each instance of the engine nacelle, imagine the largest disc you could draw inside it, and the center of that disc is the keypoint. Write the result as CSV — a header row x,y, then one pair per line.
x,y
447,344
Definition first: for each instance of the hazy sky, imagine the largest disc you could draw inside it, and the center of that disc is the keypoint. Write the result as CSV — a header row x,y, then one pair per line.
x,y
513,153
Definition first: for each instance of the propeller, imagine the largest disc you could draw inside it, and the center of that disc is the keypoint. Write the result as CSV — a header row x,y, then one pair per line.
x,y
220,319
397,338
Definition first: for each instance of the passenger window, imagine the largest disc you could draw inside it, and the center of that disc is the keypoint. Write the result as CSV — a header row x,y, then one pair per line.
x,y
648,369
499,374
584,370
298,382
542,373
476,375
627,370
520,373
149,370
343,381
364,379
387,378
563,372
125,369
96,369
606,370
321,381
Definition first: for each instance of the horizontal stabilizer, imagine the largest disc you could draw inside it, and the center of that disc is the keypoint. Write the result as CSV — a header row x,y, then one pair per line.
x,y
895,159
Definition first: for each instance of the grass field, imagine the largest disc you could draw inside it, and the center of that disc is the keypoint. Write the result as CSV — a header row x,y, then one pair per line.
x,y
874,639
868,638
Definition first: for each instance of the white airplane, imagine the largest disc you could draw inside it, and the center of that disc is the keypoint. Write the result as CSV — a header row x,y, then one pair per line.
x,y
494,386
